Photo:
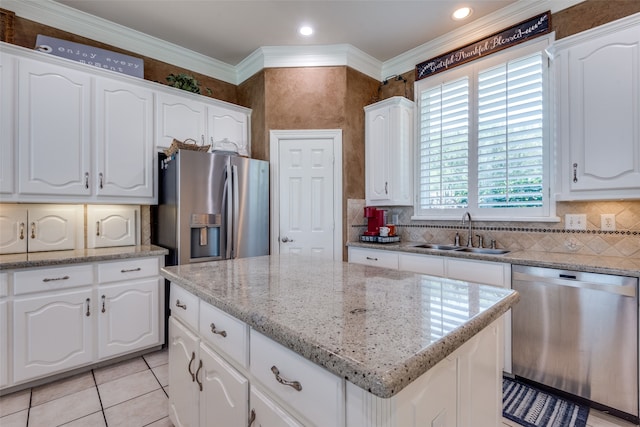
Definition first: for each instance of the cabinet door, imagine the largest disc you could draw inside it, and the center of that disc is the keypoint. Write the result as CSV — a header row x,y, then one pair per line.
x,y
604,103
13,229
228,130
52,333
377,160
7,108
109,225
224,399
129,318
4,344
266,413
183,358
53,129
180,118
124,140
55,227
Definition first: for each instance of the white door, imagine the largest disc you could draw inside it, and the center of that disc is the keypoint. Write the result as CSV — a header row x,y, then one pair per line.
x,y
224,398
307,206
124,140
55,227
13,229
228,130
266,413
129,318
180,118
51,333
54,137
183,363
109,225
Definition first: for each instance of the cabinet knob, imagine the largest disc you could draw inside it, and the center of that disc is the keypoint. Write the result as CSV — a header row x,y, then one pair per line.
x,y
181,305
215,331
198,372
97,228
88,313
293,384
104,298
252,417
22,231
101,179
33,230
193,357
575,172
86,180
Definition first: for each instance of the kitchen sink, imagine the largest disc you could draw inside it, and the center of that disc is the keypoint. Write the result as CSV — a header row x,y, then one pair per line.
x,y
438,247
484,251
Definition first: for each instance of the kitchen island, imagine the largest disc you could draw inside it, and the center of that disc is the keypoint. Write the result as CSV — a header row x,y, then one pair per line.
x,y
390,347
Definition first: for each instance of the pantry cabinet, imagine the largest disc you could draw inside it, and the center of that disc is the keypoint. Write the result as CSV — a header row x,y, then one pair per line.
x,y
597,74
7,66
54,129
389,152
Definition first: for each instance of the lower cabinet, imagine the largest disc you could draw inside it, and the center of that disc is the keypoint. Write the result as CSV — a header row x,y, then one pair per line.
x,y
63,318
266,413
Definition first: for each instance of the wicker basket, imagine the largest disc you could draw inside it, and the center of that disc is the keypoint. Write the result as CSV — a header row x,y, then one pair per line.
x,y
188,144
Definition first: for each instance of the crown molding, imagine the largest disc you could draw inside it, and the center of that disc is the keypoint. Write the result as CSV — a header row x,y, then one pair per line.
x,y
476,30
65,18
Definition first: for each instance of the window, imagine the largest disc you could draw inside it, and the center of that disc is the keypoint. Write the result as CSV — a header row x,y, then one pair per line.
x,y
483,138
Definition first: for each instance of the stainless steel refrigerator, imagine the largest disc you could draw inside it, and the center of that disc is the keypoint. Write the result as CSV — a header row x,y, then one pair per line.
x,y
212,206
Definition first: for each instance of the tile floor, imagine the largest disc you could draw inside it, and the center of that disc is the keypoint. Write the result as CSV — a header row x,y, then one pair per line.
x,y
133,393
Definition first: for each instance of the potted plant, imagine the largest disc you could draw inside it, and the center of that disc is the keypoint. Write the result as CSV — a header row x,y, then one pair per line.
x,y
186,82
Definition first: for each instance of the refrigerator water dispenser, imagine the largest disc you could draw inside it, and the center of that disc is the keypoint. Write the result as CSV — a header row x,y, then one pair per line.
x,y
205,235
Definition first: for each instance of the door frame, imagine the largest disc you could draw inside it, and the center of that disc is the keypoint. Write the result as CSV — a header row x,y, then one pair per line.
x,y
275,136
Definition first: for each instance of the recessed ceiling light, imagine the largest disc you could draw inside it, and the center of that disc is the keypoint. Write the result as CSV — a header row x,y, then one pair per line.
x,y
306,30
462,13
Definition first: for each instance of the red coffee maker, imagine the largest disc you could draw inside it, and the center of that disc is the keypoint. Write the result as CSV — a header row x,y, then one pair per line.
x,y
375,218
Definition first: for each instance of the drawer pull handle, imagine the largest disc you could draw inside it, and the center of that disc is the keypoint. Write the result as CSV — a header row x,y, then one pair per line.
x,y
33,230
104,309
88,313
97,228
575,172
215,331
252,417
193,357
131,270
295,384
181,305
197,372
86,180
372,258
101,178
55,279
22,231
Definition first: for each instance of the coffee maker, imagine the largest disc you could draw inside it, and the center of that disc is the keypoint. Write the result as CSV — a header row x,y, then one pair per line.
x,y
375,220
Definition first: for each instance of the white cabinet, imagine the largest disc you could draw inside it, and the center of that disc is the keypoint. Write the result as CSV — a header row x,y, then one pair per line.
x,y
598,137
56,319
54,119
179,117
36,228
123,140
205,390
51,333
229,127
7,133
389,152
109,225
266,413
208,121
376,257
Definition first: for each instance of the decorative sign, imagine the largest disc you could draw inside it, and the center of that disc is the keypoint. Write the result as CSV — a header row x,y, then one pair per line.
x,y
519,33
90,55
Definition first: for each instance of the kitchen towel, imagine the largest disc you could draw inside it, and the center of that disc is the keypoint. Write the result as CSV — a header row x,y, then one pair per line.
x,y
531,407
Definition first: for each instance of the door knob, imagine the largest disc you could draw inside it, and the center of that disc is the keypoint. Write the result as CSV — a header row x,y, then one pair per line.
x,y
285,239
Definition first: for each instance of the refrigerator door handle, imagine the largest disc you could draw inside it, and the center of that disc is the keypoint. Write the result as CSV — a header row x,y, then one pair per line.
x,y
229,196
236,209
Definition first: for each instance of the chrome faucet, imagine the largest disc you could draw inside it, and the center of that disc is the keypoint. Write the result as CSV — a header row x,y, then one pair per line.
x,y
470,236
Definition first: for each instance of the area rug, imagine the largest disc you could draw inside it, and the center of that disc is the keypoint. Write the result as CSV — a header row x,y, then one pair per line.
x,y
531,407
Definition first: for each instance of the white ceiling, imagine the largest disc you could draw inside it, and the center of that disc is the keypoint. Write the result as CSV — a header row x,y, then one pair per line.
x,y
230,30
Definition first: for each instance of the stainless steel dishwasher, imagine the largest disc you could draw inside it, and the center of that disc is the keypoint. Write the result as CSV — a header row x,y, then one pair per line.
x,y
578,332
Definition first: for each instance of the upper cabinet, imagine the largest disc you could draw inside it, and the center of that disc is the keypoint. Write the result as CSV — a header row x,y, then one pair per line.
x,y
598,126
7,66
388,152
222,125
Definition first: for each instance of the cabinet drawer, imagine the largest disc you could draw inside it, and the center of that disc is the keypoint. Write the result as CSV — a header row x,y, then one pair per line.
x,y
225,333
375,257
184,305
423,264
321,397
48,279
129,269
488,273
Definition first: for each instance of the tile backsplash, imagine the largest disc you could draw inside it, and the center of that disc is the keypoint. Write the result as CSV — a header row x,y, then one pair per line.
x,y
535,236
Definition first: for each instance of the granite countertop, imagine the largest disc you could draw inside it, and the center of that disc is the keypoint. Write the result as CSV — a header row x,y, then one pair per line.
x,y
378,328
54,258
622,266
